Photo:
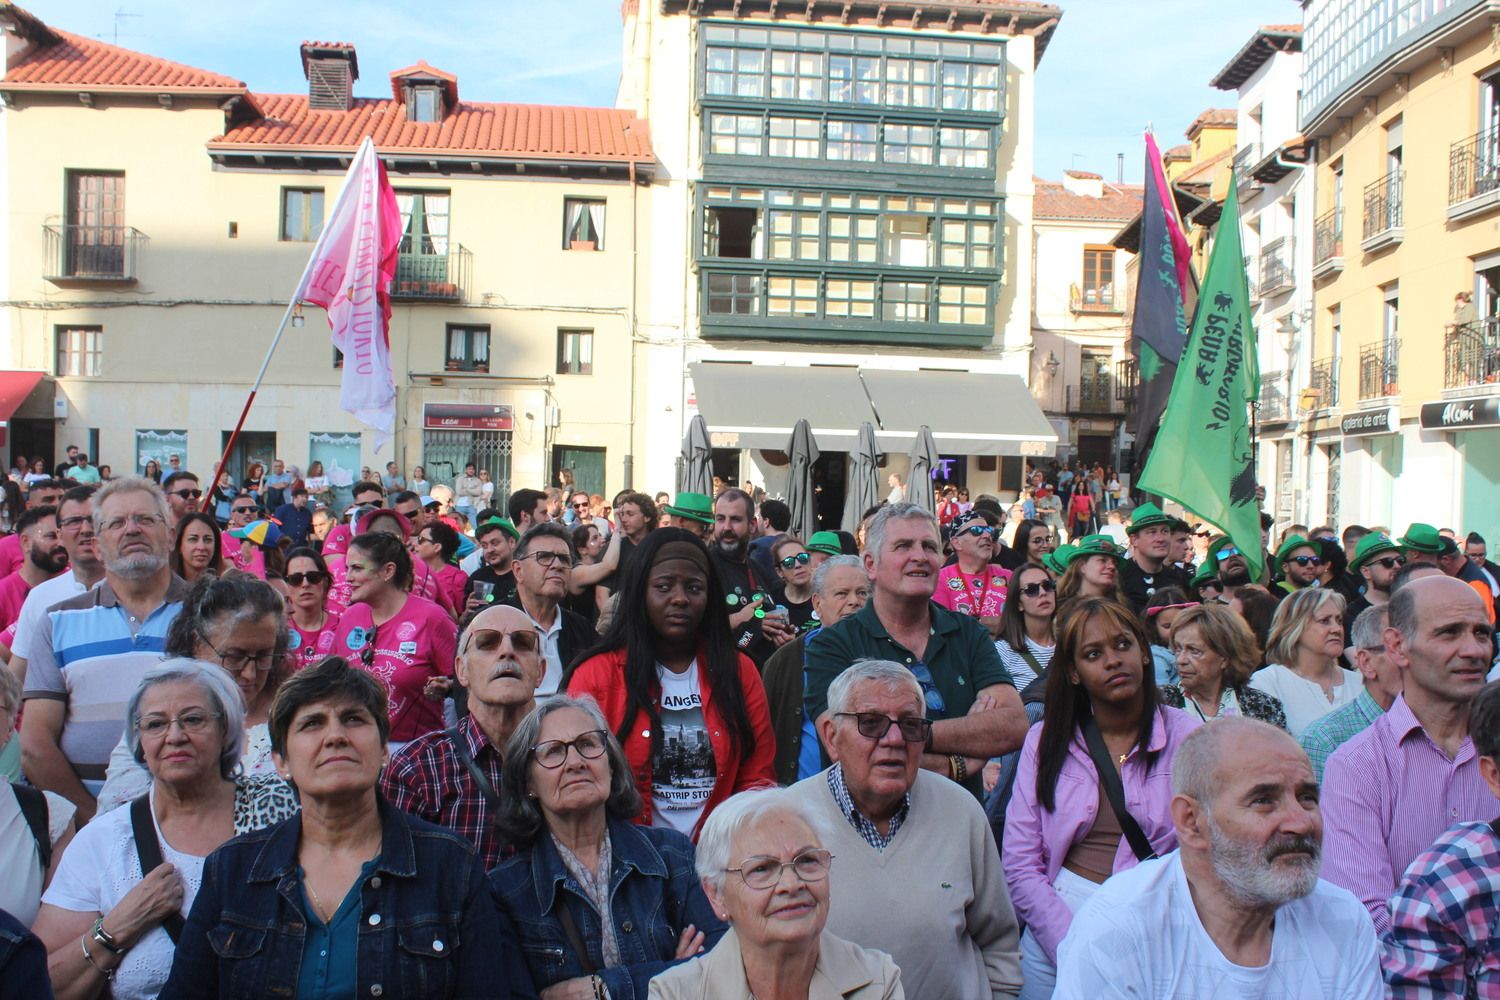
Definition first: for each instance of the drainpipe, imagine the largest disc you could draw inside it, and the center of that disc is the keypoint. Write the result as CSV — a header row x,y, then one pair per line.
x,y
628,467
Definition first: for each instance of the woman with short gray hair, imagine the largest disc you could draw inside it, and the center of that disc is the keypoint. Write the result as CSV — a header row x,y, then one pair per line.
x,y
763,865
567,799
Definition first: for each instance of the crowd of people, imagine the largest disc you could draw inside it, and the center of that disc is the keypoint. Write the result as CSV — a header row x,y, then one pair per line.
x,y
428,746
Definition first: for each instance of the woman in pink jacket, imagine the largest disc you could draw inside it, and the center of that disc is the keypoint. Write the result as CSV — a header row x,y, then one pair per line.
x,y
1063,837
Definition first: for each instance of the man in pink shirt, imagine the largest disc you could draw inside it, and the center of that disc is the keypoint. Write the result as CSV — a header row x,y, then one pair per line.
x,y
45,557
973,585
44,493
1390,791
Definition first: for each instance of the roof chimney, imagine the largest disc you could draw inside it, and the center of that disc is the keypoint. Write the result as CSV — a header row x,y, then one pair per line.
x,y
331,69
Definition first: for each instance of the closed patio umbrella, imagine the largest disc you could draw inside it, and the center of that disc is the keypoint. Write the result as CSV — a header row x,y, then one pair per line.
x,y
924,458
863,491
803,452
697,458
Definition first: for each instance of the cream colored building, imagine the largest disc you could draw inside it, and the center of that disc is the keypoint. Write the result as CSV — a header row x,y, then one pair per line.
x,y
1403,415
158,218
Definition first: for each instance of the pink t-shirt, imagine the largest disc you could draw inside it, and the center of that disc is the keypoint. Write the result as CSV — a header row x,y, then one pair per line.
x,y
452,581
424,584
234,558
980,596
308,647
10,554
418,643
337,542
13,591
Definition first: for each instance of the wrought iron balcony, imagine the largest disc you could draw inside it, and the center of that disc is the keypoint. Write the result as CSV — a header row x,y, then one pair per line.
x,y
91,253
432,277
1276,267
1097,298
1471,355
1322,385
1093,394
1383,218
1127,380
1328,242
1378,372
1273,406
1474,174
1245,159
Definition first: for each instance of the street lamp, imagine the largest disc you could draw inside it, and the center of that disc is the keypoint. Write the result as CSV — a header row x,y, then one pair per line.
x,y
1052,364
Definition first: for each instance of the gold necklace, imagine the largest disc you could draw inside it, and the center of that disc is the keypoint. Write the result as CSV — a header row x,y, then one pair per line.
x,y
317,903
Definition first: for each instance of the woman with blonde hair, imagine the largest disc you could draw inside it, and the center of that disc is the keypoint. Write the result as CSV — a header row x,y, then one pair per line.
x,y
1302,655
1216,655
1092,569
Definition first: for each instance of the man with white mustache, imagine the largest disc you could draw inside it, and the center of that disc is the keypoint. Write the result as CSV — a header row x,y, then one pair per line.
x,y
450,777
1238,909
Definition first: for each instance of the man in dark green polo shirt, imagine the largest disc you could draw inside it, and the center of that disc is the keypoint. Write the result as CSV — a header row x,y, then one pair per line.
x,y
952,656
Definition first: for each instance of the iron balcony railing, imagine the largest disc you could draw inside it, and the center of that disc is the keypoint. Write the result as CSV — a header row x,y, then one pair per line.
x,y
1127,380
1276,267
1474,166
1322,384
1273,404
435,277
1328,236
1093,394
1383,205
1471,355
1378,371
1245,159
91,253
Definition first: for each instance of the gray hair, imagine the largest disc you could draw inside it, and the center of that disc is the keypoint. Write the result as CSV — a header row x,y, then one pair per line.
x,y
887,673
10,691
544,529
520,818
745,809
827,566
1196,762
1368,628
1484,721
224,697
1293,615
875,533
130,484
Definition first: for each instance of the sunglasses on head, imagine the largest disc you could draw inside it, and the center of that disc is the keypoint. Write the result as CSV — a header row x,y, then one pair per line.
x,y
487,640
800,559
1307,560
1039,588
188,494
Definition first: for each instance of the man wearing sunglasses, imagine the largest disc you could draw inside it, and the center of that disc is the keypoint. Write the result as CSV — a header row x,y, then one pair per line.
x,y
1376,559
449,777
184,494
973,585
543,564
894,826
1298,564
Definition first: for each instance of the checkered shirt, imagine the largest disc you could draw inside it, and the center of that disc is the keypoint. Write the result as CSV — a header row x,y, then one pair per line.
x,y
427,779
863,826
1338,727
1444,940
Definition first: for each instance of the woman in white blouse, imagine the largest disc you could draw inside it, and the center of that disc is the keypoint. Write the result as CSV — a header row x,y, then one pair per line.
x,y
21,857
1302,650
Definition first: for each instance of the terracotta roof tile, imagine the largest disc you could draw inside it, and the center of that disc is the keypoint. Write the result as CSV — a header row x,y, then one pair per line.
x,y
1181,151
1084,175
1121,202
1202,173
523,131
1282,29
1212,118
83,62
423,69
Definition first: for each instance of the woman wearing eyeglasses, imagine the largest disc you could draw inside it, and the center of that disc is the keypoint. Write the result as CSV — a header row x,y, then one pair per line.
x,y
107,919
198,547
972,585
1031,542
689,709
313,626
764,867
1102,725
596,902
794,568
1302,653
404,640
435,545
1216,654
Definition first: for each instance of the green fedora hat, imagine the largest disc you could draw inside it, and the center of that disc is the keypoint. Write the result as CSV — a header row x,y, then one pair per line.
x,y
1423,538
1292,544
1146,515
504,524
1057,560
693,506
826,542
1207,572
1094,545
1371,546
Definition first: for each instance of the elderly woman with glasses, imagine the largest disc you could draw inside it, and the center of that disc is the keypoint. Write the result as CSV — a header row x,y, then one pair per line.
x,y
1216,654
239,623
312,625
115,907
350,896
764,867
598,904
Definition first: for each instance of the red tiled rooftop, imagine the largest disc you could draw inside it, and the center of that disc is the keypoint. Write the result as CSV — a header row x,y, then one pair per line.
x,y
1203,173
423,69
1120,202
83,62
1212,118
1084,175
524,131
1181,151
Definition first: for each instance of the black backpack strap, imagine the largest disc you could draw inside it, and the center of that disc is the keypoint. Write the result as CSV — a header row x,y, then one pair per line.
x,y
486,787
33,803
148,850
1114,788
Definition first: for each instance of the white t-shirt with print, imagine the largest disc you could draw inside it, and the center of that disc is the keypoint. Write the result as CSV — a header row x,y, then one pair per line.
x,y
683,773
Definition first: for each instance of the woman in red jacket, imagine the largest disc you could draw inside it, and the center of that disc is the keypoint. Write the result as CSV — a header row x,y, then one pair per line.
x,y
688,708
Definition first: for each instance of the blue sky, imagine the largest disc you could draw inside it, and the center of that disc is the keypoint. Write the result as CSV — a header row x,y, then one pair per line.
x,y
1112,67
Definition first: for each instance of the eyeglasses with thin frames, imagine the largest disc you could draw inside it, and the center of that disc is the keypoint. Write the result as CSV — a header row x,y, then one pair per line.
x,y
192,723
546,558
761,872
115,524
263,662
487,640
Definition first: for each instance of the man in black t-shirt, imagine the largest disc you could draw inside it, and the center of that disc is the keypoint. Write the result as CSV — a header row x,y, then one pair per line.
x,y
1147,569
497,540
747,589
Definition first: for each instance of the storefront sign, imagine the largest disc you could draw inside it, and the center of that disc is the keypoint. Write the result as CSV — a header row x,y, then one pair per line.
x,y
1460,414
465,417
1365,422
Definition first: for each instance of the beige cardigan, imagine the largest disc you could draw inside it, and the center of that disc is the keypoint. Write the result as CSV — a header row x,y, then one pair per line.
x,y
845,971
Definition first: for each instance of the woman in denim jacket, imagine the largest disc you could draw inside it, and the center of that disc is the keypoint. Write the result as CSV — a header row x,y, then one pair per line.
x,y
567,798
350,897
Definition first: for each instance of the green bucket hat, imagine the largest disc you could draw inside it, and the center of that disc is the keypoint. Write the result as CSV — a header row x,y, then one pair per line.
x,y
1208,571
1094,545
1423,538
1292,544
505,526
826,542
693,506
1371,546
1057,560
1146,515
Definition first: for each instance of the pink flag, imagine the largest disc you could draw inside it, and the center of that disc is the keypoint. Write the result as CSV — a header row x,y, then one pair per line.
x,y
350,276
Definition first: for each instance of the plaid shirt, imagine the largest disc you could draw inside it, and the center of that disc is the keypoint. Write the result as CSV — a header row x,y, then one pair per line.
x,y
1338,727
427,779
863,826
1444,940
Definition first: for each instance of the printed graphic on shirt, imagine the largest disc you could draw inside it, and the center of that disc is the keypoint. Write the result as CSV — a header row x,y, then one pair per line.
x,y
682,771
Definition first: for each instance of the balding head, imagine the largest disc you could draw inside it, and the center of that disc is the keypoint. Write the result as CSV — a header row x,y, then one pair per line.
x,y
1214,753
500,658
1439,636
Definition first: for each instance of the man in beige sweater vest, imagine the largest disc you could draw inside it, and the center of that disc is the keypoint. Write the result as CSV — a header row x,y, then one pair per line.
x,y
916,873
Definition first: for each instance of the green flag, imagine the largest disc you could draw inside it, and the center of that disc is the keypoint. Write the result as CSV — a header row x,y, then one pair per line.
x,y
1203,457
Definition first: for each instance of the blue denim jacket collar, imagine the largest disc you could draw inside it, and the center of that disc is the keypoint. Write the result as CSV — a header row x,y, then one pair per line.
x,y
629,846
277,860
